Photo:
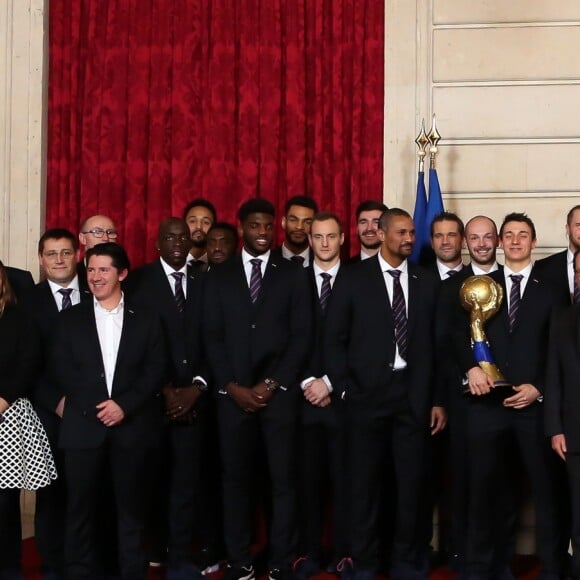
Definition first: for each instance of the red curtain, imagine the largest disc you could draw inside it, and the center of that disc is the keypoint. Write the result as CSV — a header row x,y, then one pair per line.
x,y
155,102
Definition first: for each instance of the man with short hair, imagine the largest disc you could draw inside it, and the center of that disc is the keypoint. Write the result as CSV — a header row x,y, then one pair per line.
x,y
368,214
322,433
481,239
559,267
257,326
109,362
173,291
298,213
199,214
58,253
221,242
379,350
498,417
96,229
446,241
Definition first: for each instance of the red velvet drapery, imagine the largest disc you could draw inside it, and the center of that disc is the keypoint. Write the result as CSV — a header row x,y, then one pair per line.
x,y
154,102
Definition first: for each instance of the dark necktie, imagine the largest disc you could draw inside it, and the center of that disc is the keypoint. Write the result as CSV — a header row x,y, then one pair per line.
x,y
400,313
66,301
576,297
298,260
325,290
197,265
255,279
451,273
514,299
179,295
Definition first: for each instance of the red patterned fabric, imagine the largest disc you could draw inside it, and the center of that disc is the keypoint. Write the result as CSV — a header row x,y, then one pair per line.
x,y
155,102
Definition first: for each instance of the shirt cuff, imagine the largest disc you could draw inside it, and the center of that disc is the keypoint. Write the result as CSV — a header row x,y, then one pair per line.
x,y
200,379
328,383
306,382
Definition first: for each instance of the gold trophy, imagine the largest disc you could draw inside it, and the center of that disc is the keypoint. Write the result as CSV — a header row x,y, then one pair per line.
x,y
482,296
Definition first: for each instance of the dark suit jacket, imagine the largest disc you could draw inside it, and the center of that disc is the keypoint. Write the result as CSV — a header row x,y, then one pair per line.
x,y
359,344
148,286
315,366
521,355
78,369
43,312
20,280
248,342
19,354
555,269
562,395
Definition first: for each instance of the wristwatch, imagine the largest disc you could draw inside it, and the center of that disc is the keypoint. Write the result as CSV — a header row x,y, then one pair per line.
x,y
200,385
271,384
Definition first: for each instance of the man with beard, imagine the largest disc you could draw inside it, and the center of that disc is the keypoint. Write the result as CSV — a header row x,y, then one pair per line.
x,y
298,214
368,214
559,267
257,328
446,241
199,215
379,349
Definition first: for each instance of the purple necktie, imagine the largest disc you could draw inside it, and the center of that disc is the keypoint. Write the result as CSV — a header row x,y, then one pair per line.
x,y
298,260
66,301
325,290
255,279
179,295
400,313
576,297
514,299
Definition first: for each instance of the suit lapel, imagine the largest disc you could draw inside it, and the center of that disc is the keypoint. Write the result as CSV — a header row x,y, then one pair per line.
x,y
413,299
127,334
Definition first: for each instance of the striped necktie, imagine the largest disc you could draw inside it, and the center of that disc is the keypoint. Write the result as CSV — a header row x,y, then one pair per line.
x,y
255,279
179,295
515,295
325,290
400,313
66,301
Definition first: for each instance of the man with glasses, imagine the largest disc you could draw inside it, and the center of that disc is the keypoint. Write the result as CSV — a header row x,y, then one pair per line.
x,y
58,253
96,229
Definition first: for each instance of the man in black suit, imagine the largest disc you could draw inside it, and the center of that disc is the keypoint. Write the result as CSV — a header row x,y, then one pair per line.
x,y
298,213
561,406
368,213
379,350
199,215
58,253
257,323
20,280
96,229
559,267
109,361
322,449
173,290
500,416
481,239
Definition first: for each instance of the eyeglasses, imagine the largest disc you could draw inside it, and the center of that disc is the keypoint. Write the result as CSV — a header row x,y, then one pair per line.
x,y
173,237
63,254
99,233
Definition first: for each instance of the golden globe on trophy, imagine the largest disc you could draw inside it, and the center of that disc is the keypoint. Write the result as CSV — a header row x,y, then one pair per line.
x,y
482,296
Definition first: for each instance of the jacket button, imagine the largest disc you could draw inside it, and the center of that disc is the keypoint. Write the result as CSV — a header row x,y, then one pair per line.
x,y
253,326
184,361
102,375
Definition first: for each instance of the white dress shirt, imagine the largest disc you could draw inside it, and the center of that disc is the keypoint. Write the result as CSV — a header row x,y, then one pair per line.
x,y
523,282
477,271
246,257
286,253
75,295
444,270
109,329
169,270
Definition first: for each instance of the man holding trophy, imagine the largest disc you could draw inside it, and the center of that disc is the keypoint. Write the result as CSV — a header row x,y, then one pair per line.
x,y
501,346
